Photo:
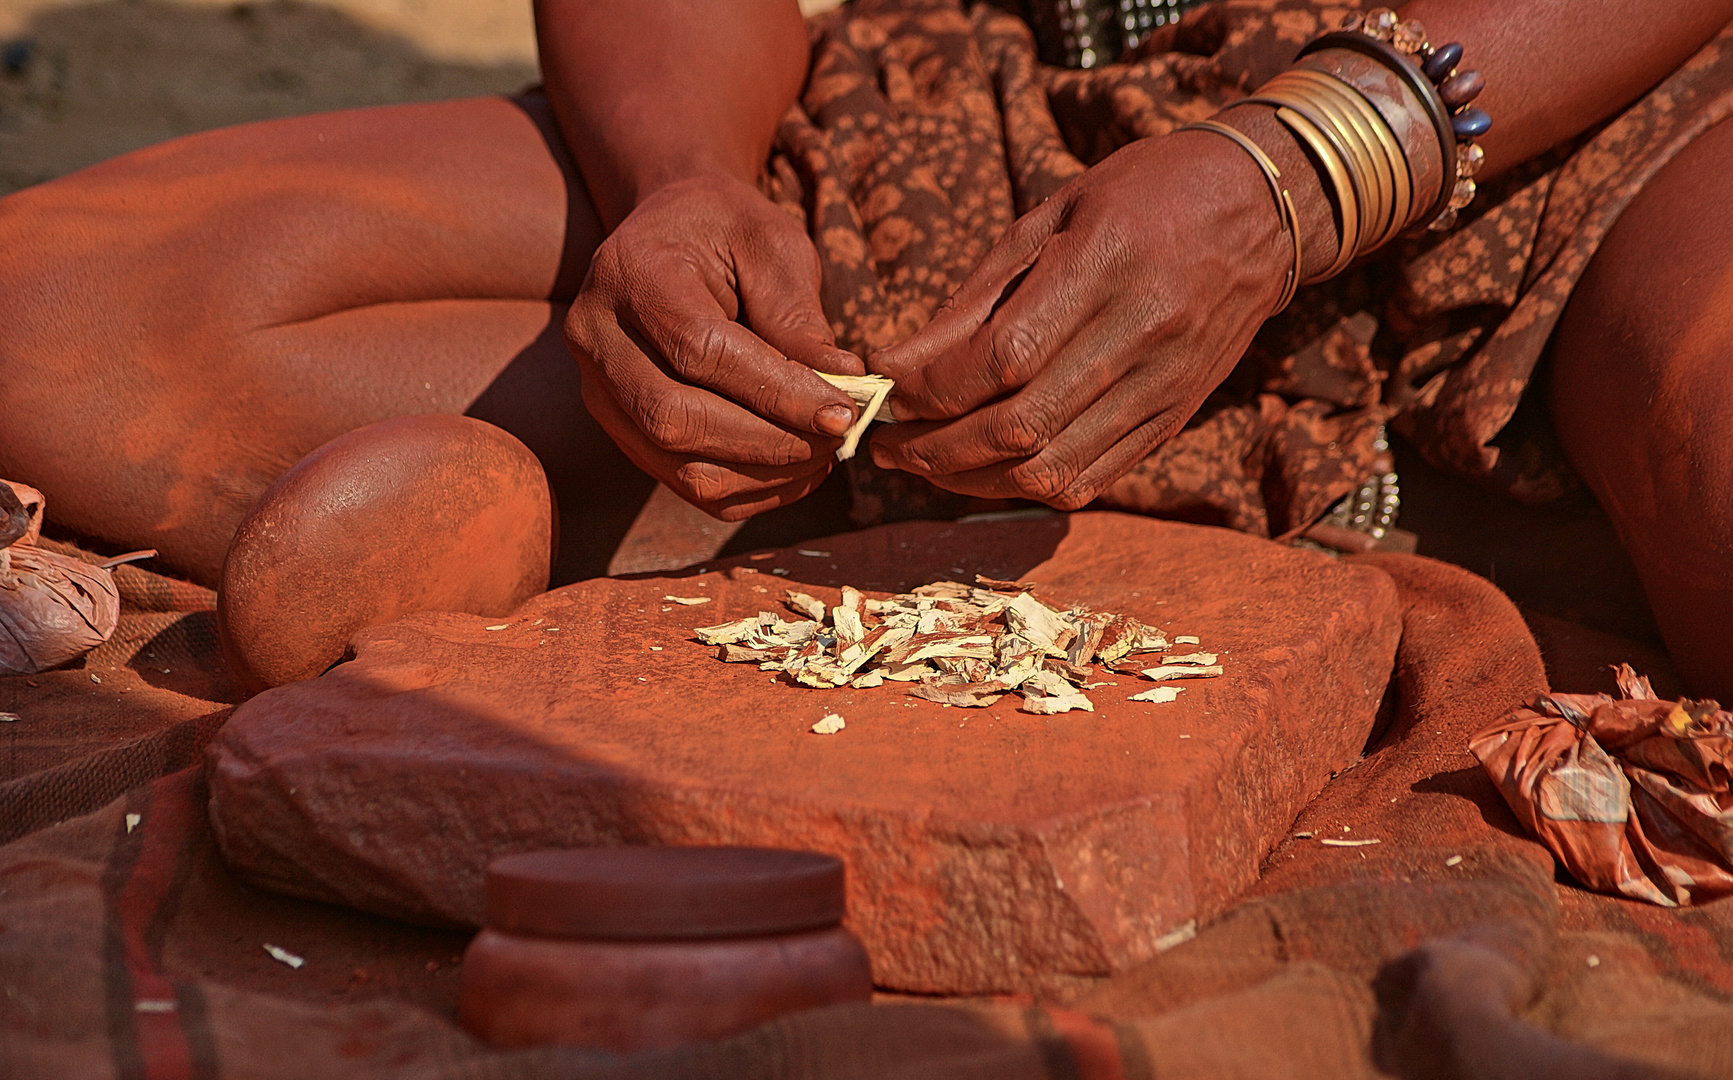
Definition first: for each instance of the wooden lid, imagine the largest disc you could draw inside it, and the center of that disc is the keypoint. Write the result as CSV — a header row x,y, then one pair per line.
x,y
648,893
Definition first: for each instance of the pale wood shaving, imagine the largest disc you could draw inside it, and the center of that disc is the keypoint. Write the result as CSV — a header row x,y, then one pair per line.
x,y
869,393
960,645
830,725
1199,658
1182,671
1160,694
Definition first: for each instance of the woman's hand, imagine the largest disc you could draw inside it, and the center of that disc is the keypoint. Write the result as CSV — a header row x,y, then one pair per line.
x,y
698,329
1094,329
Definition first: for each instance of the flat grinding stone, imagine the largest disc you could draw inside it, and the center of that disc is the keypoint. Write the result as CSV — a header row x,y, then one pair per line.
x,y
987,849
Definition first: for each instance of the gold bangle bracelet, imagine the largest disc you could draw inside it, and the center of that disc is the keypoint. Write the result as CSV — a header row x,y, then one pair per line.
x,y
1341,180
1284,201
1357,150
1370,123
1377,182
1392,166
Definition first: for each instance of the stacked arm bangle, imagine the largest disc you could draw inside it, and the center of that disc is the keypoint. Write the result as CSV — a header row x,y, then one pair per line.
x,y
1284,201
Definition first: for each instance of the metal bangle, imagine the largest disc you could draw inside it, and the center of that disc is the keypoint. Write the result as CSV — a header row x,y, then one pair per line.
x,y
1418,84
1284,201
1342,179
1375,172
1370,125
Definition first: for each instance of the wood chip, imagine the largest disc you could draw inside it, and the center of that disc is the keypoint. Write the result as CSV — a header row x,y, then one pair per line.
x,y
740,654
1328,842
689,601
1202,659
1048,629
1004,586
1185,639
283,956
1048,706
869,393
1182,671
961,645
9,718
830,725
962,695
1159,695
501,626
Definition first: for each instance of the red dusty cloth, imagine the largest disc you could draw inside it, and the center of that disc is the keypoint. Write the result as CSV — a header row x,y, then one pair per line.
x,y
1631,795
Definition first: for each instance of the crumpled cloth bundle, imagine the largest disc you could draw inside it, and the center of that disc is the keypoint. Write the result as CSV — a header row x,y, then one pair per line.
x,y
1632,795
53,608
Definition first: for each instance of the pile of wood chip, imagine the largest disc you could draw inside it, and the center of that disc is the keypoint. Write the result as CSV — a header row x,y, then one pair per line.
x,y
965,645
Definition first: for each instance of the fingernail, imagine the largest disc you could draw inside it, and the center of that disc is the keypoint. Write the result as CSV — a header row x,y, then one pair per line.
x,y
833,419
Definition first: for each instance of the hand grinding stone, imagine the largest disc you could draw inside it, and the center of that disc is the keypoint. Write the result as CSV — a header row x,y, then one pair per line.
x,y
424,513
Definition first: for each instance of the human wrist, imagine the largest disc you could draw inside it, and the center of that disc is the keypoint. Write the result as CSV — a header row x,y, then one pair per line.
x,y
1319,241
617,189
1386,122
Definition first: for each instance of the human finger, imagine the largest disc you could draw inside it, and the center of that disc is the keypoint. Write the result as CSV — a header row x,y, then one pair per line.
x,y
1049,305
674,415
1110,437
779,301
1016,427
952,325
688,328
712,486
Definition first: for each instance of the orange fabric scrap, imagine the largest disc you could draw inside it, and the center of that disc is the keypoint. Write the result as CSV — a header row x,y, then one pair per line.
x,y
1632,795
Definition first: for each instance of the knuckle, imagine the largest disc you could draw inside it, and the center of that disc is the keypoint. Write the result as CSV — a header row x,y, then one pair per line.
x,y
1017,432
701,351
669,421
1012,353
706,483
1052,479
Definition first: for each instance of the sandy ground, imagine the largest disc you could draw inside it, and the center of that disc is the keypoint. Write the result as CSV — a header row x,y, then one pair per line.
x,y
84,81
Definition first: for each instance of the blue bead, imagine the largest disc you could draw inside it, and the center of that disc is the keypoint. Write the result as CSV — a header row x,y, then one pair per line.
x,y
1470,123
1440,63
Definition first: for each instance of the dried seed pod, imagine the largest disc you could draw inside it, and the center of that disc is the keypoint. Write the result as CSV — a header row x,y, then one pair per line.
x,y
53,609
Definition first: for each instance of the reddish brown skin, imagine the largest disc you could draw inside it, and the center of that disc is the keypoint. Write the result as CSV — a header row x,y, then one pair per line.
x,y
295,280
1644,403
465,506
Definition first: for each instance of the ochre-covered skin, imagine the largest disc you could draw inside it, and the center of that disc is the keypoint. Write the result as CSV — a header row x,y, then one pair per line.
x,y
426,512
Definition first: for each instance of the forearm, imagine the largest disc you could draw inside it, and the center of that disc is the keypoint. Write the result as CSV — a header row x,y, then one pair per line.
x,y
648,92
1553,69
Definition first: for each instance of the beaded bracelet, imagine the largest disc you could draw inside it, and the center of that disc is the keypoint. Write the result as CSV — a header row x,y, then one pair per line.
x,y
1434,75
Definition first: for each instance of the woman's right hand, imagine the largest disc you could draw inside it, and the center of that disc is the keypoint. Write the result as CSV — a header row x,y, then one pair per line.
x,y
698,330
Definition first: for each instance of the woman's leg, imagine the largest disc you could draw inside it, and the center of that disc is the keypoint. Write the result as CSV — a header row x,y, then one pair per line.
x,y
1643,398
180,325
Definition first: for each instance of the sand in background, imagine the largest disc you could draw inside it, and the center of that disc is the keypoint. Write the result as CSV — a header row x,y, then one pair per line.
x,y
84,81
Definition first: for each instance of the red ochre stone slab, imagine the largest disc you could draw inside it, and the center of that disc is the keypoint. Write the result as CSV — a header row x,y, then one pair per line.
x,y
986,849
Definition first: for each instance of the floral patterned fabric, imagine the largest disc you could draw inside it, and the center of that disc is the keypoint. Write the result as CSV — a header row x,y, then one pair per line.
x,y
927,126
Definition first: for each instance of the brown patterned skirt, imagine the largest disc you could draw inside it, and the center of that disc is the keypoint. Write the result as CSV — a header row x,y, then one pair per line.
x,y
927,126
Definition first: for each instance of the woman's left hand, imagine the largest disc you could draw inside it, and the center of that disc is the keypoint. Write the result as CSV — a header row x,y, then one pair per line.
x,y
1094,329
